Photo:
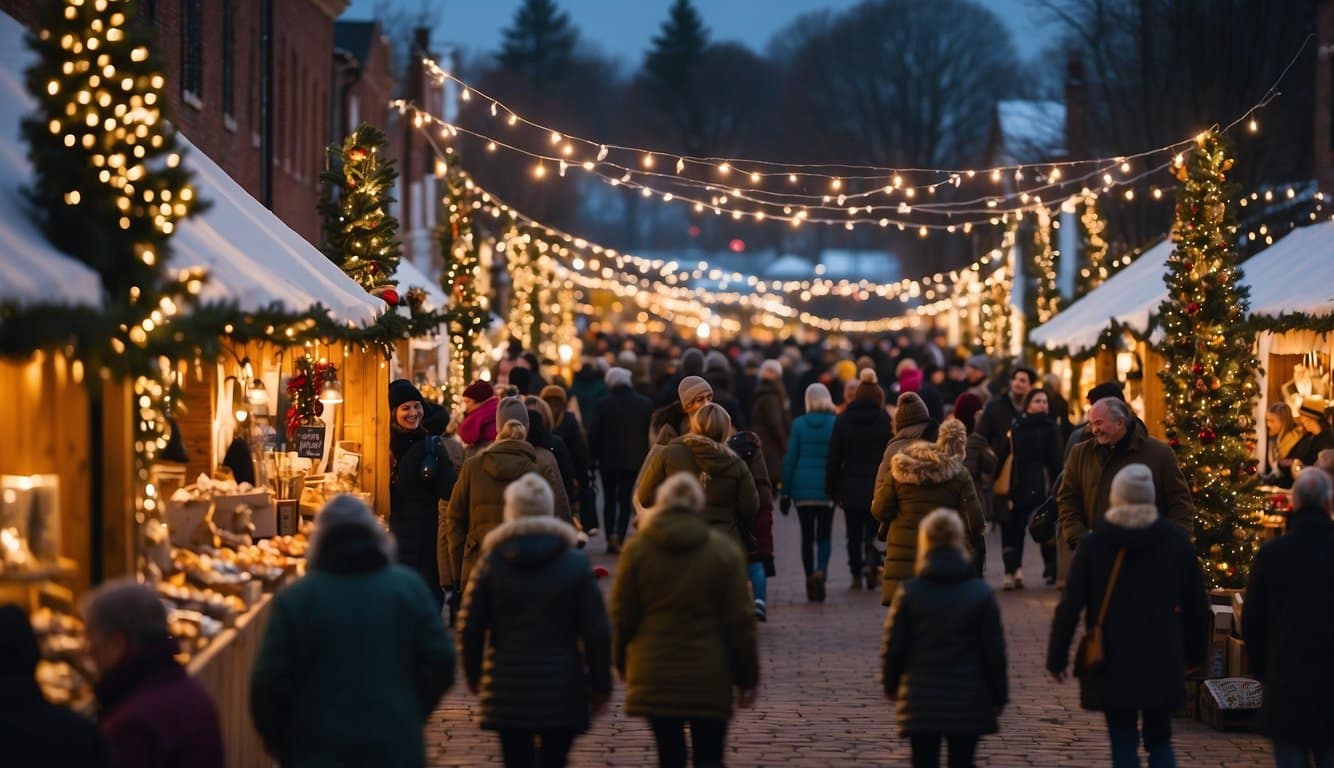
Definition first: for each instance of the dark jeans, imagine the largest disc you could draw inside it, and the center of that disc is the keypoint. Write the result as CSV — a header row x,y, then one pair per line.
x,y
1013,536
532,749
707,738
926,749
861,540
1122,727
1290,755
618,488
588,504
817,525
978,544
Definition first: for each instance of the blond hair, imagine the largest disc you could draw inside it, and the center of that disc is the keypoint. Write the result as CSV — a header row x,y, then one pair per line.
x,y
818,398
512,430
712,422
942,528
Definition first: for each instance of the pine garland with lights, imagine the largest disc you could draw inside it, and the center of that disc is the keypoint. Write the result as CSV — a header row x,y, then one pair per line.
x,y
996,330
360,235
1047,298
468,312
1210,372
1091,228
521,257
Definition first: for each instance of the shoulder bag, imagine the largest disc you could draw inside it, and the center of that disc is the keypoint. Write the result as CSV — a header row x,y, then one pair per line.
x,y
1002,485
1091,654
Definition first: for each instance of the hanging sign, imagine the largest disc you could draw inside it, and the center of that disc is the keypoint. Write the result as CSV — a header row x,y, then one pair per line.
x,y
309,442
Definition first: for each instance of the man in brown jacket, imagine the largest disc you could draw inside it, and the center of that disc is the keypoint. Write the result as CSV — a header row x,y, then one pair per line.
x,y
1119,439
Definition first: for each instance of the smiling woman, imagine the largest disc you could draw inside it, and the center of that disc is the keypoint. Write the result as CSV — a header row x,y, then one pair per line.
x,y
421,476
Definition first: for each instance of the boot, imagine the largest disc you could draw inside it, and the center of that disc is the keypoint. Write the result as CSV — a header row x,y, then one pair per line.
x,y
1018,580
818,576
871,574
857,580
613,545
810,588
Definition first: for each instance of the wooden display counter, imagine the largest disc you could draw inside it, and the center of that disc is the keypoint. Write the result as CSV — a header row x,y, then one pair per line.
x,y
223,668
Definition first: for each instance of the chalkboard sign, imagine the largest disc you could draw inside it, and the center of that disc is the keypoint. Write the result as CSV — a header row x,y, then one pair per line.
x,y
310,442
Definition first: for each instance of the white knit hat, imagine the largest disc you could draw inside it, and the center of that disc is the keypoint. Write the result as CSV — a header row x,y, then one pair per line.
x,y
618,377
529,496
1133,485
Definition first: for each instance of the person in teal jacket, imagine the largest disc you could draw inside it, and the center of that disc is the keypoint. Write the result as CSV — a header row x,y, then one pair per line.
x,y
804,467
355,656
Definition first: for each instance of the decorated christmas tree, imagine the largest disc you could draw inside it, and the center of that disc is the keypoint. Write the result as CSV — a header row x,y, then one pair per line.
x,y
1210,374
468,314
360,235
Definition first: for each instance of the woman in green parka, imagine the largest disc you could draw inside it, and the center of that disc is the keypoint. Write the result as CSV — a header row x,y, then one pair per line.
x,y
683,626
355,656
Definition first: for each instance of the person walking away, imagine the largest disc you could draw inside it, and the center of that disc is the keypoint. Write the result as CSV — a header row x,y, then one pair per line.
x,y
759,539
1315,423
153,714
1283,437
731,500
619,444
1135,579
478,428
566,426
541,437
589,387
770,416
1118,440
980,461
861,434
1034,449
478,503
804,468
421,476
35,733
534,638
1289,629
943,656
922,477
354,657
684,632
718,372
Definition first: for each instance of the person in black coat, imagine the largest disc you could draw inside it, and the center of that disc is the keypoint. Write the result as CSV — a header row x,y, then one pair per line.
x,y
944,649
34,732
718,372
618,443
540,435
1153,631
421,476
534,636
858,442
1036,447
566,426
1288,625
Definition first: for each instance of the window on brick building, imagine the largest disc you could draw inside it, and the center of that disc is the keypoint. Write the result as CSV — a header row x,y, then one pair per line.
x,y
229,57
192,45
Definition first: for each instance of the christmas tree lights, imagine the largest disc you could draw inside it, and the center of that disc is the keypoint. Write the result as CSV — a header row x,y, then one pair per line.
x,y
1091,227
361,236
468,312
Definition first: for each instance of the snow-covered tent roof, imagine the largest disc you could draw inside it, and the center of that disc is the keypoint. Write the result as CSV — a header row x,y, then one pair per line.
x,y
32,271
1030,131
1129,299
1296,274
409,276
789,267
875,266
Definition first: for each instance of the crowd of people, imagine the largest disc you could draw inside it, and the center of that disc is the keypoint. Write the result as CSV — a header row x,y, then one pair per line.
x,y
494,509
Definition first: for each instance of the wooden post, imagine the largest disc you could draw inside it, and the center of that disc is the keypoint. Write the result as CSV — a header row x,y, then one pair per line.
x,y
1155,401
1105,365
118,526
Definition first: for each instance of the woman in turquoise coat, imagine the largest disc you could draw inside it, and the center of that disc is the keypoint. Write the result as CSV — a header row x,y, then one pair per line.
x,y
804,467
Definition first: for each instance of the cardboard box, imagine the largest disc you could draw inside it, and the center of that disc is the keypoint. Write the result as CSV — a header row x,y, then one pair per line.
x,y
1238,602
1230,703
183,517
1238,663
1220,631
258,501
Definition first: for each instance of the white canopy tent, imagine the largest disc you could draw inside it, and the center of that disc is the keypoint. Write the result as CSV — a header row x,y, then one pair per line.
x,y
1296,274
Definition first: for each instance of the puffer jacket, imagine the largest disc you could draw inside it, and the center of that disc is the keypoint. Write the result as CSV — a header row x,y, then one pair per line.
x,y
478,503
922,478
1035,441
944,650
747,446
807,457
684,624
534,636
730,497
858,441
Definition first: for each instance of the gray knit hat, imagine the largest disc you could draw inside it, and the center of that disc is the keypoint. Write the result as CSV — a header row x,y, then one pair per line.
x,y
618,377
1133,485
980,362
911,410
692,387
511,409
528,496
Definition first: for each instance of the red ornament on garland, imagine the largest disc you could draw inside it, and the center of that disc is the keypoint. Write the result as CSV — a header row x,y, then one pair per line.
x,y
1207,436
1197,369
1192,308
357,154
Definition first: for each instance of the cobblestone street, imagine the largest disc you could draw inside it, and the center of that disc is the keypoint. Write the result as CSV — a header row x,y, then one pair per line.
x,y
820,702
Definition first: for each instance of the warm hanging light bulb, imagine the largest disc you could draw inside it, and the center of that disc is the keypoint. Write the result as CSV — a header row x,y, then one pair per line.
x,y
239,409
258,394
331,394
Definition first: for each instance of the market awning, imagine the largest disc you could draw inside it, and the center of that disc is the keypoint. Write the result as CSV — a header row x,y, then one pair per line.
x,y
1129,299
32,271
409,276
1294,275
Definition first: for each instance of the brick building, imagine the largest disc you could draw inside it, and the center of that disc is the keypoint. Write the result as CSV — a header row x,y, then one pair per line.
x,y
1324,97
364,76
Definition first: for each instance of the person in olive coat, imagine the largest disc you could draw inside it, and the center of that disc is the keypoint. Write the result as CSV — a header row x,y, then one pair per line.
x,y
421,475
856,446
1154,628
944,649
355,656
684,629
1289,627
533,632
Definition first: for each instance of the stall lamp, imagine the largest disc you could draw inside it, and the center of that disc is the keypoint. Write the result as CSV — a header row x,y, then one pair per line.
x,y
332,393
257,395
239,401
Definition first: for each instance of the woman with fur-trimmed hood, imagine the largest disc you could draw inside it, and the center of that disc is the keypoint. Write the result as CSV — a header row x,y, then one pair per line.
x,y
922,477
534,636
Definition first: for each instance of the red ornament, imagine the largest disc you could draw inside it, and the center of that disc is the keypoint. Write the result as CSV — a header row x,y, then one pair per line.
x,y
390,296
1197,369
1192,307
373,268
1207,436
319,408
357,154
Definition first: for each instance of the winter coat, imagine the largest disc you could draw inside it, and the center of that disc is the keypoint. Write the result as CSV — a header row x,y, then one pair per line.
x,y
721,381
414,502
1156,620
618,430
684,624
669,422
547,442
856,446
353,661
533,631
1309,447
1035,440
34,732
994,423
730,498
1084,494
917,433
571,432
922,478
478,503
944,650
479,427
589,389
746,445
155,714
772,421
1289,628
807,457
982,465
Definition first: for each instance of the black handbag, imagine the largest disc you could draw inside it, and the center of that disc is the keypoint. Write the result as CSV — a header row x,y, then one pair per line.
x,y
1042,526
